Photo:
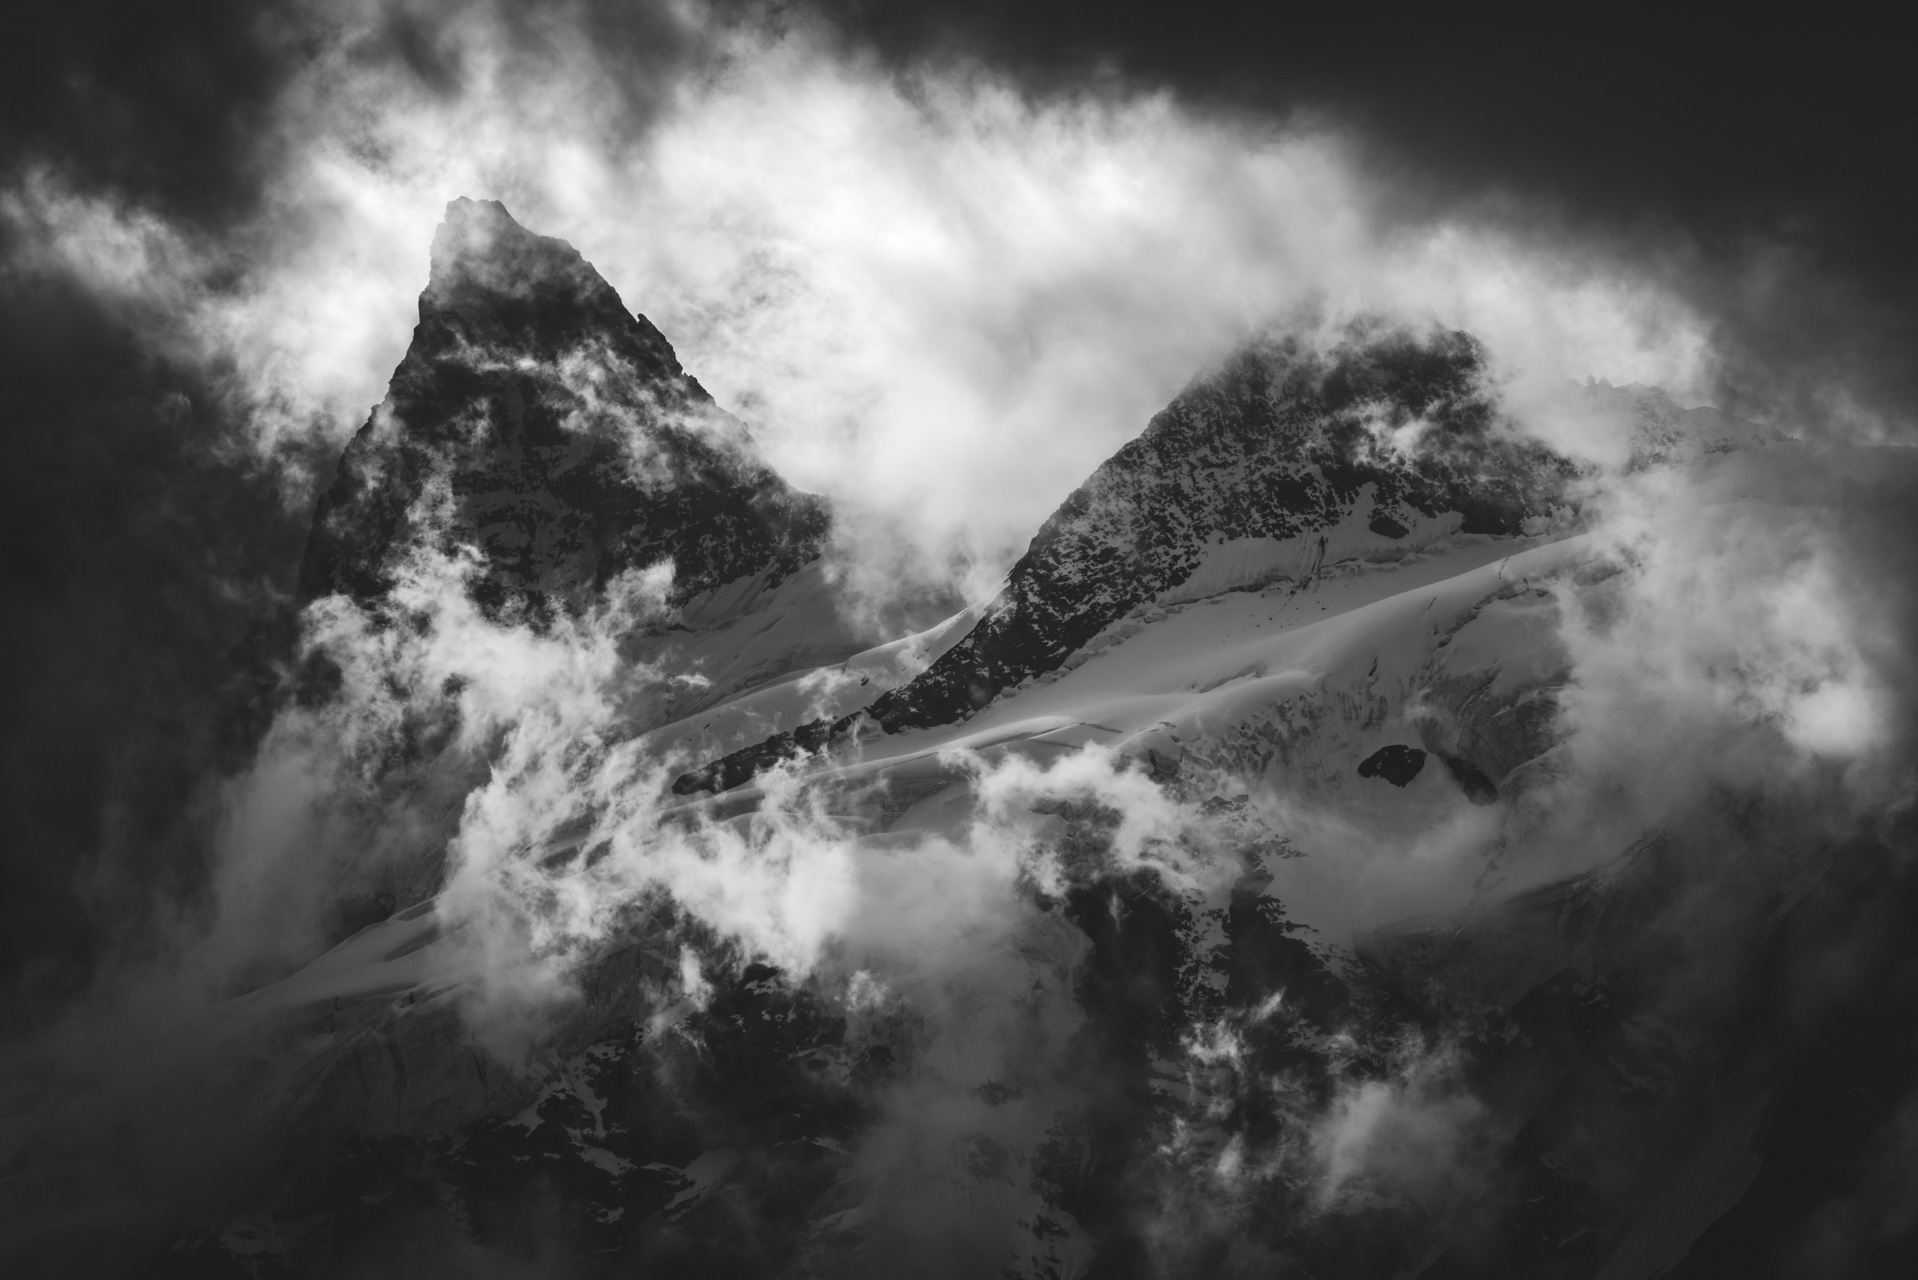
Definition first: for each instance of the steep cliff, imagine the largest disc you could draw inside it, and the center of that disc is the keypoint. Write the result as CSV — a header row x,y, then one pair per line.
x,y
537,420
1287,458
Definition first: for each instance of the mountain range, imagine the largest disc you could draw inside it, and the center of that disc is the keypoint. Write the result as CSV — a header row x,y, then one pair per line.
x,y
1314,610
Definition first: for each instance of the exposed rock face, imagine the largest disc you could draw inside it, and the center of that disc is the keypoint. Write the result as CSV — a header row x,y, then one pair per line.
x,y
1283,442
1190,1078
538,420
1397,764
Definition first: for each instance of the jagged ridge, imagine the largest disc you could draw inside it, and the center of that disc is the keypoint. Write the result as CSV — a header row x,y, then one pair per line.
x,y
569,442
1278,443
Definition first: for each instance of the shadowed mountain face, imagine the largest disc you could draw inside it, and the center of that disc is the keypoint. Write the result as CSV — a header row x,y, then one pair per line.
x,y
539,422
1279,444
1110,1065
1387,431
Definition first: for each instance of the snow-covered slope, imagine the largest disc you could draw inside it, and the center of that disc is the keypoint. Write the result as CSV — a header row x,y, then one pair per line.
x,y
1287,458
1283,689
1310,623
1292,684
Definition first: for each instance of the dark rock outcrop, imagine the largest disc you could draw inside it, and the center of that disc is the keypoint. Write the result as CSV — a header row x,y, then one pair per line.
x,y
538,420
1471,779
1281,442
1397,764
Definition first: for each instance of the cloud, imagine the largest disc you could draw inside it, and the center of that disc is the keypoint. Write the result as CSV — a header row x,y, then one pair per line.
x,y
1413,1133
899,280
1739,645
943,300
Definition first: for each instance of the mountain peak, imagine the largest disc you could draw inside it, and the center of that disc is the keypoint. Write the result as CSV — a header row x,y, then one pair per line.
x,y
571,441
1282,462
521,288
471,228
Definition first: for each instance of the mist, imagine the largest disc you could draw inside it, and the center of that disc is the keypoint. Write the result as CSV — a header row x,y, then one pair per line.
x,y
940,297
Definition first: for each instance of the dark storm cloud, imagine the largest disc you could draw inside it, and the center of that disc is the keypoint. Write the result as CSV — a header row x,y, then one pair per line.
x,y
1755,118
138,560
151,538
176,132
1789,133
150,547
1763,162
161,101
137,557
172,106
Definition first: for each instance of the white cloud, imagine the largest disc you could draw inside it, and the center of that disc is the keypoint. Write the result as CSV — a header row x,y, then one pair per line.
x,y
938,298
943,302
1410,1134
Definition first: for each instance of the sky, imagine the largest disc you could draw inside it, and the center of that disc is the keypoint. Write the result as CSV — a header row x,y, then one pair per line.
x,y
942,259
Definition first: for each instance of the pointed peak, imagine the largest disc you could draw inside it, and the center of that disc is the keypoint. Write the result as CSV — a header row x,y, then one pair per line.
x,y
466,211
476,230
481,253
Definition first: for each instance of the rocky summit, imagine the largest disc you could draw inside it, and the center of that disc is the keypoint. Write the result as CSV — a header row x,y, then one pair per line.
x,y
538,421
1226,897
1289,457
